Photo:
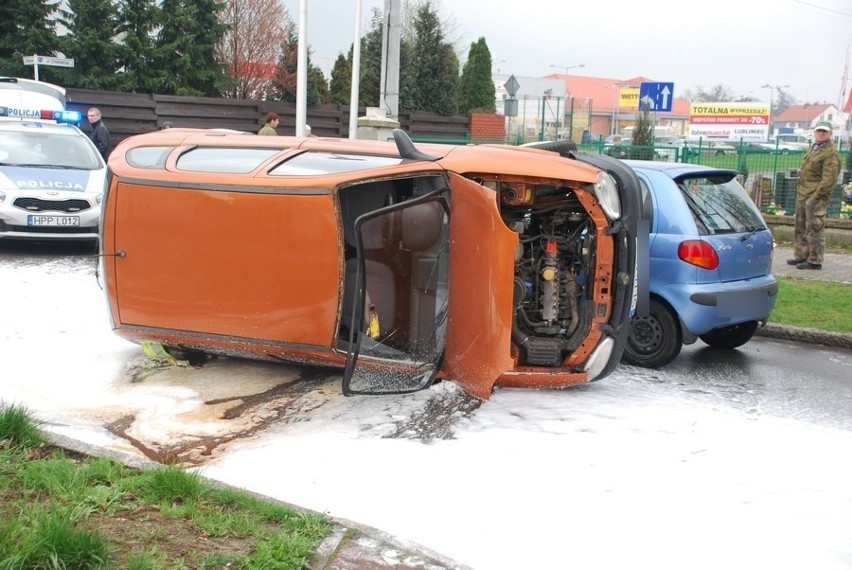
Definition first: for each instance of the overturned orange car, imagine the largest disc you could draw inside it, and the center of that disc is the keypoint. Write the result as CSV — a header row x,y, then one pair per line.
x,y
402,264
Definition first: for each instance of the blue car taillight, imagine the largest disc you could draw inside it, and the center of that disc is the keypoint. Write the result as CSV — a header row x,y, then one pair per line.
x,y
698,253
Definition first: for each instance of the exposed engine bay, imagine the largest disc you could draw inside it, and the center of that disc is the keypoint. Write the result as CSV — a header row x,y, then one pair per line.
x,y
554,263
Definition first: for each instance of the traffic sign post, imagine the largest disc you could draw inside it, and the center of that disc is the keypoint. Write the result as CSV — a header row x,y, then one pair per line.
x,y
36,60
510,104
656,96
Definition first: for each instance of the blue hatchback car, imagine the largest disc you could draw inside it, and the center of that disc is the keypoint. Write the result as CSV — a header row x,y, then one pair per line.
x,y
710,262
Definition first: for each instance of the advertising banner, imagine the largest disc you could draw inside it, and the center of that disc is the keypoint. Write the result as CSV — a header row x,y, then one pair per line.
x,y
729,121
628,97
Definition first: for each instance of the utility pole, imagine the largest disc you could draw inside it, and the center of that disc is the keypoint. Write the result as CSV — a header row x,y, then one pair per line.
x,y
354,92
772,89
391,31
302,70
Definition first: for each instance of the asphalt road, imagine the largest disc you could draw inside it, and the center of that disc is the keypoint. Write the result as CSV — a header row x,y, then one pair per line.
x,y
789,378
741,449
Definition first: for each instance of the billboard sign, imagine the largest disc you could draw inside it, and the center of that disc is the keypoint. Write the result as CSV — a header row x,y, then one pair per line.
x,y
729,121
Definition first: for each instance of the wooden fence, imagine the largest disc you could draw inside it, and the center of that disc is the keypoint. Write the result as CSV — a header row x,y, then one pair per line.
x,y
127,114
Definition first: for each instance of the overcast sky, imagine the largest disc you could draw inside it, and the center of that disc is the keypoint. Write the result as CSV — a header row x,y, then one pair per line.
x,y
740,44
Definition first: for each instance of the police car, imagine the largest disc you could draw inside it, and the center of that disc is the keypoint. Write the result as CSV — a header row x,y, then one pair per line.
x,y
51,175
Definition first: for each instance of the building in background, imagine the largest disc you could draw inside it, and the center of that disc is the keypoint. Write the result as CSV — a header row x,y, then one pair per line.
x,y
801,119
591,107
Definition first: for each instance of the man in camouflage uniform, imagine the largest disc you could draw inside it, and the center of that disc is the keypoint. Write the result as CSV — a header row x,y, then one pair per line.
x,y
817,179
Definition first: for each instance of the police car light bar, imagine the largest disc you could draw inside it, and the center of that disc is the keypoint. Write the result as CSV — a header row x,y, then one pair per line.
x,y
67,117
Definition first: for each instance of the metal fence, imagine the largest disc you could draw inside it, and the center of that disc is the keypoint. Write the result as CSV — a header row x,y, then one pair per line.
x,y
769,174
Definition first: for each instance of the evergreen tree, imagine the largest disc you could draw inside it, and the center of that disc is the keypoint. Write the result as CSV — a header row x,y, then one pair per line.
x,y
447,83
341,80
370,89
407,75
317,87
137,19
27,28
476,89
436,67
186,48
283,87
643,136
90,41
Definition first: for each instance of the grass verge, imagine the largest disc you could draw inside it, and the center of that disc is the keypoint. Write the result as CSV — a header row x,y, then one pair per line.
x,y
813,304
59,510
843,246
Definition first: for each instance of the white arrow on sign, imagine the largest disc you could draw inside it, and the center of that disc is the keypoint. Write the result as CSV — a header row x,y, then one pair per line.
x,y
666,94
648,103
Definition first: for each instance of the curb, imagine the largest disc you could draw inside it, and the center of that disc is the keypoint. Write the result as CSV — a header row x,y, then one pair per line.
x,y
802,334
349,545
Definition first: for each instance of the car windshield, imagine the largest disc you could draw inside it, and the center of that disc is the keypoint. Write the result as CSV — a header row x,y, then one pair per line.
x,y
719,204
48,150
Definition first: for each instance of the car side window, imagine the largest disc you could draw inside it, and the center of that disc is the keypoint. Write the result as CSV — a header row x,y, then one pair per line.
x,y
149,156
224,159
313,163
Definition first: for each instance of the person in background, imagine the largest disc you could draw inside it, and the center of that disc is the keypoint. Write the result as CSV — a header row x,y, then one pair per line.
x,y
817,179
99,134
617,150
270,125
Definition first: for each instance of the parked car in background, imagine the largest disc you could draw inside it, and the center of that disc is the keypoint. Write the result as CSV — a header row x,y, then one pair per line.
x,y
774,147
692,147
667,147
710,262
486,265
51,177
798,142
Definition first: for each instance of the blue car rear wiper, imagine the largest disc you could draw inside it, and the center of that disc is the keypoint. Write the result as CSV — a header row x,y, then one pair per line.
x,y
750,233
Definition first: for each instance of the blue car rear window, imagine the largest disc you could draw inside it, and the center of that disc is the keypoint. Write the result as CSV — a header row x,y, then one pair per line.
x,y
719,205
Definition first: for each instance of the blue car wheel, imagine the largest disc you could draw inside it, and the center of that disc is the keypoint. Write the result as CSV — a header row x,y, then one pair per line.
x,y
654,340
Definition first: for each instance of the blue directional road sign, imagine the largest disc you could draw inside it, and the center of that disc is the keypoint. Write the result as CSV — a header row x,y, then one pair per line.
x,y
656,96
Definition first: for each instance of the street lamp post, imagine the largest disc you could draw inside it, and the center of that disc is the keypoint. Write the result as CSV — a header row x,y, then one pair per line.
x,y
565,68
772,89
615,106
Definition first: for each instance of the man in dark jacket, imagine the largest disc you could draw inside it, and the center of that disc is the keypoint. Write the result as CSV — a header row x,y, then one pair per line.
x,y
817,179
99,134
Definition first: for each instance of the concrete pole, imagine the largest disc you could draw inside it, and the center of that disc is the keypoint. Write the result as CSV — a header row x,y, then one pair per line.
x,y
302,70
356,75
391,33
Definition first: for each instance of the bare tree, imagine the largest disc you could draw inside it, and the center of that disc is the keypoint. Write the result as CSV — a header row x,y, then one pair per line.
x,y
717,93
449,25
251,47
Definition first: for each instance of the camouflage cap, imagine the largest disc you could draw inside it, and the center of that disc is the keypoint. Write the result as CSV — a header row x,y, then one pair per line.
x,y
823,126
